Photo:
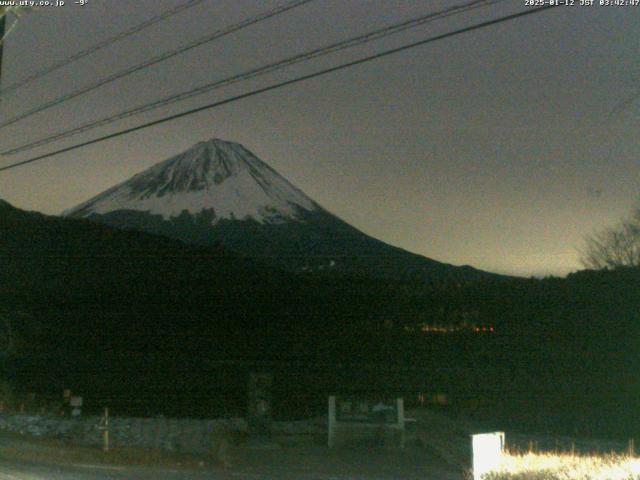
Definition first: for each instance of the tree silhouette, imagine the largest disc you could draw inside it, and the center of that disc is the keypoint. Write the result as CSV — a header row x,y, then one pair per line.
x,y
614,247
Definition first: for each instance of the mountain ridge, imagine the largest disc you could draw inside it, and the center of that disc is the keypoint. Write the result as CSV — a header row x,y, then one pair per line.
x,y
218,192
213,174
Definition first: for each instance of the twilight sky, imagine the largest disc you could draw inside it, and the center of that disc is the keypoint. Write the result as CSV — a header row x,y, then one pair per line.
x,y
500,148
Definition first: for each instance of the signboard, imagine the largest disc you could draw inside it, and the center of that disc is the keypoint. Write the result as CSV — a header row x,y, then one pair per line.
x,y
366,421
366,410
76,406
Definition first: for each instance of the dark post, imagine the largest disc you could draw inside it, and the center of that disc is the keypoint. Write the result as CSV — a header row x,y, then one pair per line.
x,y
259,408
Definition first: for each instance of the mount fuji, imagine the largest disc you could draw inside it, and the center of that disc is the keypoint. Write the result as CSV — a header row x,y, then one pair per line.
x,y
218,192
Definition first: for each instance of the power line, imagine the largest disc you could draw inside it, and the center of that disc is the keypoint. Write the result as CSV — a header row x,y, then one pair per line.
x,y
99,46
155,60
279,85
270,68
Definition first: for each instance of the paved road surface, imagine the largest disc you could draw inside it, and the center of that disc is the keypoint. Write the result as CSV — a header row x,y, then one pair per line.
x,y
10,470
258,465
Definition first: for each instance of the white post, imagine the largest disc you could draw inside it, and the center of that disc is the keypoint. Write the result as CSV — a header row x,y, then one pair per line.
x,y
486,451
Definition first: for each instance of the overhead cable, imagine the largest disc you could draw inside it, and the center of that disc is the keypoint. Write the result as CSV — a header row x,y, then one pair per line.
x,y
263,70
283,84
155,60
99,46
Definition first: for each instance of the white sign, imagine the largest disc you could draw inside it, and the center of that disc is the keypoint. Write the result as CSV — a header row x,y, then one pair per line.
x,y
487,450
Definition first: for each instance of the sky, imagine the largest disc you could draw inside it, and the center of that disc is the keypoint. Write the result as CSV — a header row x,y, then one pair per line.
x,y
500,148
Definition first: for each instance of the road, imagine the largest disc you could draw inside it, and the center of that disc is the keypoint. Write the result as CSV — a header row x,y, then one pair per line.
x,y
300,465
12,470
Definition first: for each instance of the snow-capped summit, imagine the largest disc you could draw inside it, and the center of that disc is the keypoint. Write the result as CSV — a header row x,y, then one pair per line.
x,y
219,193
216,176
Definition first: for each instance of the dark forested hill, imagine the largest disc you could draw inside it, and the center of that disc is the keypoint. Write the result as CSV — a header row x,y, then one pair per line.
x,y
129,310
150,325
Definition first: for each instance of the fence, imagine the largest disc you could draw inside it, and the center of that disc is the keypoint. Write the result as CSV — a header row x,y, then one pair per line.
x,y
180,435
184,435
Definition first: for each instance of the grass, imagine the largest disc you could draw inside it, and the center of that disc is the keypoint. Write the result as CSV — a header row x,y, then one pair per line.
x,y
566,466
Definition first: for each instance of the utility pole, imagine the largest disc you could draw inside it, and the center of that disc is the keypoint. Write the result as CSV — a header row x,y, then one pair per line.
x,y
2,29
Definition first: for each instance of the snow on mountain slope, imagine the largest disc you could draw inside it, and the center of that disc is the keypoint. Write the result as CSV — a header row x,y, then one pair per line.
x,y
219,193
219,176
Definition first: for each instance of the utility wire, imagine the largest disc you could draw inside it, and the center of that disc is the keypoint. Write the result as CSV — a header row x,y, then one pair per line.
x,y
286,83
322,51
99,46
157,59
